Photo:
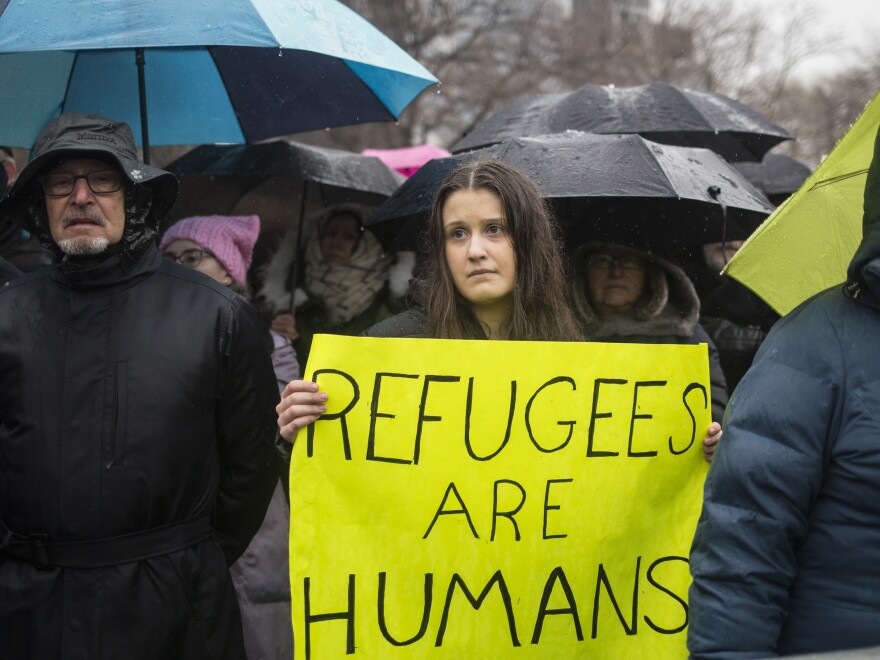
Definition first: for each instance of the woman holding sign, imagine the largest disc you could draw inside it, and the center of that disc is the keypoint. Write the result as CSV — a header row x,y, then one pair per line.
x,y
494,270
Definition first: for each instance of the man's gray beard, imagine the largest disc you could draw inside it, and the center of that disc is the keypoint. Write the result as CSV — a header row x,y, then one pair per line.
x,y
84,246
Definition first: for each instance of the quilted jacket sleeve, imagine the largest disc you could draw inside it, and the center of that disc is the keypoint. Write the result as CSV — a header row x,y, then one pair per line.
x,y
761,487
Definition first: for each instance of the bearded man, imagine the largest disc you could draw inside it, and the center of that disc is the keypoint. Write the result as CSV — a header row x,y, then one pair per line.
x,y
136,419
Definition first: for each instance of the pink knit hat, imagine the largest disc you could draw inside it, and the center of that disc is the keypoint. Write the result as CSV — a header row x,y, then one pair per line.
x,y
230,238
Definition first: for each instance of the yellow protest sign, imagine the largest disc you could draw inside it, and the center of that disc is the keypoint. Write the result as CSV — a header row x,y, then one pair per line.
x,y
476,499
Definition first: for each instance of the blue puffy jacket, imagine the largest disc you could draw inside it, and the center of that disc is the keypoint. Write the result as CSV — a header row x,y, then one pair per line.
x,y
786,557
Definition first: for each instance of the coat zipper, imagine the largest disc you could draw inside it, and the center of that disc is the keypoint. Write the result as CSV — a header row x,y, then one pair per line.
x,y
117,416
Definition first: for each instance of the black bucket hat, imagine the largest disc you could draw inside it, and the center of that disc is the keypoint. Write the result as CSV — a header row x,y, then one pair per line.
x,y
80,135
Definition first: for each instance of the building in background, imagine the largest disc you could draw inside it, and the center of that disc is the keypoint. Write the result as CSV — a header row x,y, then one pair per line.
x,y
620,41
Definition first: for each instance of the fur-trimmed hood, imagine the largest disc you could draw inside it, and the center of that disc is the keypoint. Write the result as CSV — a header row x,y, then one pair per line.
x,y
670,306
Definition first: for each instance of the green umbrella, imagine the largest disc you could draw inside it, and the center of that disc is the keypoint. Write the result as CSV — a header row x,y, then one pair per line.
x,y
806,245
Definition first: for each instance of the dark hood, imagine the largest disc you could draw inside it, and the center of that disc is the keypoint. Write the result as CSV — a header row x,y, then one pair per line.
x,y
862,278
150,192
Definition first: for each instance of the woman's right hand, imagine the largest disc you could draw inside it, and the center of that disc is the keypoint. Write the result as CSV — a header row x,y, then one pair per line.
x,y
710,442
301,404
285,324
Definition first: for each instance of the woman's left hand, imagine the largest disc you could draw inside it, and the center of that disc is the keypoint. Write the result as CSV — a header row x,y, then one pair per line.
x,y
285,324
710,442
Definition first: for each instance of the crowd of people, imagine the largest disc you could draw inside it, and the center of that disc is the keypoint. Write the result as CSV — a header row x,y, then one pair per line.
x,y
150,396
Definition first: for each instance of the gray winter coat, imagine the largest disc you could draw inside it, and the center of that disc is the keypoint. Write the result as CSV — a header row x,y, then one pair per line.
x,y
786,557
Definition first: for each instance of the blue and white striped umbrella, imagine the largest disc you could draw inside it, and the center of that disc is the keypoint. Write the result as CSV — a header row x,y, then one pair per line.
x,y
234,71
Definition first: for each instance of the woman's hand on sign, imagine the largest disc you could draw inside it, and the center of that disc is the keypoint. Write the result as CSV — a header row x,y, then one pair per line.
x,y
710,442
301,404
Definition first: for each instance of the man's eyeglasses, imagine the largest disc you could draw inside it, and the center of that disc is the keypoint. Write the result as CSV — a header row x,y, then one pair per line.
x,y
190,258
61,184
605,261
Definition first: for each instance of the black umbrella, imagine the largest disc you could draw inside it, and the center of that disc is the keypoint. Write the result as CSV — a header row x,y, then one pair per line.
x,y
603,187
777,176
657,111
281,181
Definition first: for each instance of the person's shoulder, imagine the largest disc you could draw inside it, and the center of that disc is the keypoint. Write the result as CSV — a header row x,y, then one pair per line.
x,y
823,336
8,271
25,281
830,309
188,277
408,323
700,336
188,284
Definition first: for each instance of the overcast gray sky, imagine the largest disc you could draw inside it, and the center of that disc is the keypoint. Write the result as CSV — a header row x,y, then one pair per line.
x,y
845,28
856,22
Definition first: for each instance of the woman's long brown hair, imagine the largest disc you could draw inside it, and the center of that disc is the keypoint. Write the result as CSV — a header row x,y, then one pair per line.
x,y
540,309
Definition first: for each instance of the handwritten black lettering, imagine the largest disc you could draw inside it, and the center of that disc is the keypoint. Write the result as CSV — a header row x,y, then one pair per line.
x,y
594,415
375,414
467,422
346,615
476,603
428,418
670,593
684,399
426,611
452,490
635,416
629,629
310,429
570,423
509,514
557,575
552,507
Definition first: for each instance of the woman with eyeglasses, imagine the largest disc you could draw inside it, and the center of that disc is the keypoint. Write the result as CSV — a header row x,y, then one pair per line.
x,y
625,294
222,247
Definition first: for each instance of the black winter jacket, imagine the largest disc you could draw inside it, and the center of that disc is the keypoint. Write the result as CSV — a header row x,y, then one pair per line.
x,y
7,271
131,398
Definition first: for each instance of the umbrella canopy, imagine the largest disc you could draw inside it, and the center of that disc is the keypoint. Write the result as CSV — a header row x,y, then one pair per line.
x,y
657,111
776,175
281,181
407,160
807,244
234,71
604,187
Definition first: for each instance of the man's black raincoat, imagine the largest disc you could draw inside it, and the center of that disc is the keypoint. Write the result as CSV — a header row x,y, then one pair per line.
x,y
7,271
135,399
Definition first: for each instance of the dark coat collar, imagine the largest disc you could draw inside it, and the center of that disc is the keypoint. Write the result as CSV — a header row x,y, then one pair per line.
x,y
115,270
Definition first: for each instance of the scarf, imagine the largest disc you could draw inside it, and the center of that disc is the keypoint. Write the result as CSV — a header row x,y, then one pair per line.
x,y
347,290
